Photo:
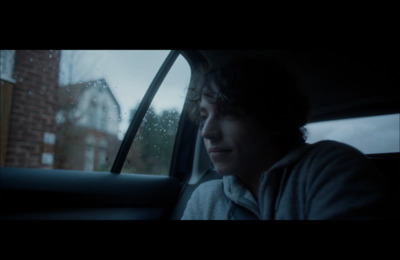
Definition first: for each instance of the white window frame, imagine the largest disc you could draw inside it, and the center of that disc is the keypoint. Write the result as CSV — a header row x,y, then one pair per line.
x,y
7,58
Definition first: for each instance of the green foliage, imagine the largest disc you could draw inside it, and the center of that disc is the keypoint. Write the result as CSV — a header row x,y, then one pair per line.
x,y
152,148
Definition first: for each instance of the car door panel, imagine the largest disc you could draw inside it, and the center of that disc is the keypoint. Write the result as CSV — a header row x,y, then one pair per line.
x,y
67,194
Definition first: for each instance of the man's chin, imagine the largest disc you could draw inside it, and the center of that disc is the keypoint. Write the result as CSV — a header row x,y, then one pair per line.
x,y
223,171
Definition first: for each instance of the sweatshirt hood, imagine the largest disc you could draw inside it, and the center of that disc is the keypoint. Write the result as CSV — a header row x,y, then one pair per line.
x,y
291,157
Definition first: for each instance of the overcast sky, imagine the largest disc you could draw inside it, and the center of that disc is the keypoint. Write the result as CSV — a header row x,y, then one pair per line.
x,y
130,72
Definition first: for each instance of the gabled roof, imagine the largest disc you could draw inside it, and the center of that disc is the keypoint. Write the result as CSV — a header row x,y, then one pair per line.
x,y
71,93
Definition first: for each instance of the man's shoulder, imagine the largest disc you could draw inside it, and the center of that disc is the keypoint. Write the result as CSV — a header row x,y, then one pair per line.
x,y
334,147
331,143
333,159
205,202
210,186
332,156
208,191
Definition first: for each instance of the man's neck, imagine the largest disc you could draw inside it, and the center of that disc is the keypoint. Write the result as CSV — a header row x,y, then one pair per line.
x,y
252,178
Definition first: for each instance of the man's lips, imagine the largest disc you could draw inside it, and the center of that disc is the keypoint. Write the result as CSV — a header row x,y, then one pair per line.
x,y
218,152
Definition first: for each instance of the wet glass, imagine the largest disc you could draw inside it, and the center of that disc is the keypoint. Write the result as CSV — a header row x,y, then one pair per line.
x,y
70,109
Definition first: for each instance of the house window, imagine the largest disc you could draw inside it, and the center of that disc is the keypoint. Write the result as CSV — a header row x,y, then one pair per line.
x,y
101,154
7,65
90,153
104,118
92,114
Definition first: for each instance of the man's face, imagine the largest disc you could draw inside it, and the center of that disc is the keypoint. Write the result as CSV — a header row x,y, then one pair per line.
x,y
234,142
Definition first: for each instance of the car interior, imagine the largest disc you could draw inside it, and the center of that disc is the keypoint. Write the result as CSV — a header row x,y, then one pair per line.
x,y
341,84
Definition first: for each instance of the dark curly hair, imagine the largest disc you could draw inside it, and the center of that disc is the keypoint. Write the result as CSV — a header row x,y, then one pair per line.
x,y
261,86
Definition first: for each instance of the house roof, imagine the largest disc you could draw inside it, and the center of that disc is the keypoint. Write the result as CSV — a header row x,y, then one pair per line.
x,y
69,94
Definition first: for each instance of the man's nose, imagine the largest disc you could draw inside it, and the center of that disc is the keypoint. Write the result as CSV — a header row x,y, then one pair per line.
x,y
211,129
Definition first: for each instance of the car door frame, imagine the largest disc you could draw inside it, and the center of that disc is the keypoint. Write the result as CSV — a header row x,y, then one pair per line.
x,y
27,193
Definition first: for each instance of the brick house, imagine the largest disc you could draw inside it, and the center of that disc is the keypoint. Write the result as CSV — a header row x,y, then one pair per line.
x,y
87,126
35,130
29,98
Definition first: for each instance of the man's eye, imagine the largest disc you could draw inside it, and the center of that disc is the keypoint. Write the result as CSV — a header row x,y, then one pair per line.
x,y
203,119
230,115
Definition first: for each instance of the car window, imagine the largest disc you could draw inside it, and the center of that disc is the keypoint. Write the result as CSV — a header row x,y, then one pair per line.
x,y
69,109
371,135
151,151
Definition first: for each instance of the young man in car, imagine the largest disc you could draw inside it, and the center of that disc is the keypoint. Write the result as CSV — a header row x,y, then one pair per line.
x,y
252,116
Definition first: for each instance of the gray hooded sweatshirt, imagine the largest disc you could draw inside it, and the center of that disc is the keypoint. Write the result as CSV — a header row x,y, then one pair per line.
x,y
325,180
